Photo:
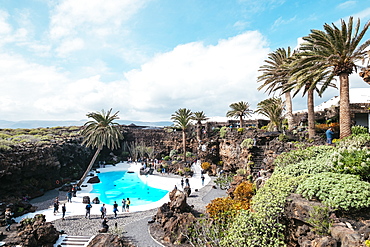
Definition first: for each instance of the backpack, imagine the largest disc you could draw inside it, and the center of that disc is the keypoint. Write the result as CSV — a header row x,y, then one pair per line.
x,y
88,206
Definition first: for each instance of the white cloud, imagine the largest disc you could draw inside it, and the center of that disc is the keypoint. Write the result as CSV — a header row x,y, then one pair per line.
x,y
346,4
72,18
5,28
280,21
199,77
192,75
68,46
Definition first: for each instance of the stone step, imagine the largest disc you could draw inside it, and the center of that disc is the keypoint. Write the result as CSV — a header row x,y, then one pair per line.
x,y
73,241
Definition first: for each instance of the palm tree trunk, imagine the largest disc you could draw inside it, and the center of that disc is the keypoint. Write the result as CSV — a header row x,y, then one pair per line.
x,y
289,109
184,144
241,121
199,132
311,114
344,113
90,166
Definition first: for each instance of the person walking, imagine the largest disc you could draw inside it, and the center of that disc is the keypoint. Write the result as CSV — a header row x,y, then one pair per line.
x,y
88,209
123,205
115,209
103,211
202,179
69,196
56,205
128,202
182,182
8,219
329,136
64,209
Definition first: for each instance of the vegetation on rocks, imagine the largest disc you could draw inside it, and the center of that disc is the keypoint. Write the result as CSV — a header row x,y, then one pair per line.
x,y
15,137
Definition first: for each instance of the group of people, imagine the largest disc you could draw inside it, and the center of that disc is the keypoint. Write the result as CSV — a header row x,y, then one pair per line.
x,y
125,208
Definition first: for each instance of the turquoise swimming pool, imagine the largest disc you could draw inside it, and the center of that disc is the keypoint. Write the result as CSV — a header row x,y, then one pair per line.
x,y
114,186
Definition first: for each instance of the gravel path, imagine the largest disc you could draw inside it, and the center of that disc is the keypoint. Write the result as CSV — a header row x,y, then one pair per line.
x,y
134,225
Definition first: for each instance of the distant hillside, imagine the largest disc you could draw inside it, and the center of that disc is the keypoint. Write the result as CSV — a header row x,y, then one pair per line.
x,y
31,124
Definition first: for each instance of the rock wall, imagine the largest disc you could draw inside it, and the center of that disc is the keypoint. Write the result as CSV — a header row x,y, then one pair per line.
x,y
31,169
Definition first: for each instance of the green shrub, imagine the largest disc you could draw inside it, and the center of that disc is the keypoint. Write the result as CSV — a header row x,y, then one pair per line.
x,y
223,132
5,145
355,141
261,227
301,154
352,161
358,130
317,164
173,153
4,136
247,143
337,191
187,169
241,172
240,130
320,220
189,154
166,158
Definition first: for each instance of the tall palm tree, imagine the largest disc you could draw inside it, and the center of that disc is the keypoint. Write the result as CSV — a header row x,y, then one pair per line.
x,y
239,110
308,80
199,116
276,75
337,50
273,108
182,118
100,132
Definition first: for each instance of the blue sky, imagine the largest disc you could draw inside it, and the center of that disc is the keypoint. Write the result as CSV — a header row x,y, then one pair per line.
x,y
60,59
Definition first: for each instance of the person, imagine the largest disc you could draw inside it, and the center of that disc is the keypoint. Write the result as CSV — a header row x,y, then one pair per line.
x,y
115,209
56,205
104,224
64,209
187,182
123,204
88,209
329,136
69,196
103,211
202,177
128,202
8,219
182,182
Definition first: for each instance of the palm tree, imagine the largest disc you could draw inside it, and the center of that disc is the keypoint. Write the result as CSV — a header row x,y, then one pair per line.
x,y
100,132
182,118
239,110
199,116
308,80
276,75
273,108
336,50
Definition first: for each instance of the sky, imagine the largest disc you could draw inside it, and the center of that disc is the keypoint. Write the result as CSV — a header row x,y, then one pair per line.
x,y
61,59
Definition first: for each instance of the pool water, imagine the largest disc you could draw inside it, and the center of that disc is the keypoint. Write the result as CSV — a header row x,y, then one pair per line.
x,y
114,186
